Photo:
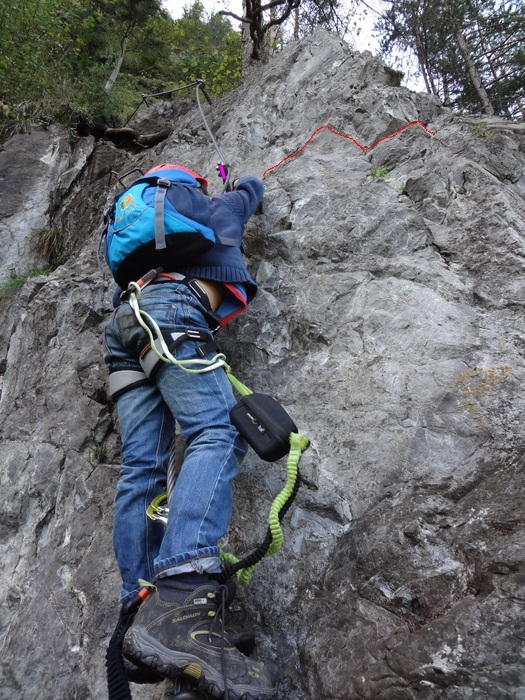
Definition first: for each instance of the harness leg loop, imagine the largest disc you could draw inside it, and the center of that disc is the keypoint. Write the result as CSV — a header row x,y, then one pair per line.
x,y
150,359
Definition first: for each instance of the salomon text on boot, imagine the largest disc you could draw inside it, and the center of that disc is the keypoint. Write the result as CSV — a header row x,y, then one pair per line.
x,y
180,632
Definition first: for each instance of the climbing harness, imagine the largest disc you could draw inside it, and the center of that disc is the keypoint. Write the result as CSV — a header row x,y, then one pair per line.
x,y
161,346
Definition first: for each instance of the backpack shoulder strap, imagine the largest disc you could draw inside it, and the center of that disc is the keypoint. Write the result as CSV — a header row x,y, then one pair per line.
x,y
160,194
162,184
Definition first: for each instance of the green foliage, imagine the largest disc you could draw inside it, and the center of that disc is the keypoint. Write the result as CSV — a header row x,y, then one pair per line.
x,y
380,173
56,57
49,243
481,130
207,48
98,453
15,282
47,60
469,52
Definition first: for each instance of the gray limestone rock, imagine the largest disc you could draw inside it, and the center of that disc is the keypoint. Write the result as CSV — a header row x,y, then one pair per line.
x,y
389,323
34,170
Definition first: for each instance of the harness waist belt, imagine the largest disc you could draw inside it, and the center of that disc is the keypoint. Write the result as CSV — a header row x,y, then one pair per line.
x,y
196,289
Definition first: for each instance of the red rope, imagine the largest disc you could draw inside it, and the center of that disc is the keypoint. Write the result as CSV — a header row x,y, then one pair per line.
x,y
349,138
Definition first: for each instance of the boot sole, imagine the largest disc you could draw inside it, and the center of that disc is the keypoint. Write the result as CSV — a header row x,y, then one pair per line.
x,y
149,653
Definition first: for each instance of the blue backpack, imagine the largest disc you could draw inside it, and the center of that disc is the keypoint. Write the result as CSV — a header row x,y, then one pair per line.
x,y
144,230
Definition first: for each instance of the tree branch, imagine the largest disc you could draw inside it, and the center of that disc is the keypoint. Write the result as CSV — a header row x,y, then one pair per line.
x,y
227,13
292,5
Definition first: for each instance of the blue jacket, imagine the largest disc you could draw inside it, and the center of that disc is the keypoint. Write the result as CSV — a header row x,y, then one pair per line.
x,y
227,214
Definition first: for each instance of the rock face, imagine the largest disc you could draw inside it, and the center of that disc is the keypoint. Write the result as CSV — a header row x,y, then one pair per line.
x,y
30,168
390,323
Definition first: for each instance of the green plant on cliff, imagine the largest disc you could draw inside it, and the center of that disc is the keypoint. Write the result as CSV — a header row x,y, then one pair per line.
x,y
481,130
98,453
380,173
15,282
49,243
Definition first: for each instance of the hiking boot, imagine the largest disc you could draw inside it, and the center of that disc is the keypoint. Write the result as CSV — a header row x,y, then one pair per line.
x,y
187,638
141,675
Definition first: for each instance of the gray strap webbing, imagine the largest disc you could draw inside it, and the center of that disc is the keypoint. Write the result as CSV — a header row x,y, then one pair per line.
x,y
224,240
160,194
124,380
150,360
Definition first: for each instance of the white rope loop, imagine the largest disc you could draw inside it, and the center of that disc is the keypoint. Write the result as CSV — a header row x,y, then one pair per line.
x,y
219,360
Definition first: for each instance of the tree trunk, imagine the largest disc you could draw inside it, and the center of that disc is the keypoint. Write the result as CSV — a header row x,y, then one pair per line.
x,y
118,65
273,33
253,49
446,90
474,74
422,57
247,62
471,64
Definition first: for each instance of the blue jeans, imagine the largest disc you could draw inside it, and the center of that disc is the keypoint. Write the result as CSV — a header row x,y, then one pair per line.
x,y
201,502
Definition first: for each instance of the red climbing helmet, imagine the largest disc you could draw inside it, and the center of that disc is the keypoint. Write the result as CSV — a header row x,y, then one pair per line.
x,y
171,166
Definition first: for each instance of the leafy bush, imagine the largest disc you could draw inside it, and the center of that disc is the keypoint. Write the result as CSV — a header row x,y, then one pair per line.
x,y
56,57
207,48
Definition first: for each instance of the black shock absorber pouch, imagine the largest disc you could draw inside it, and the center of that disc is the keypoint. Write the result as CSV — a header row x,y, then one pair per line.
x,y
264,424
